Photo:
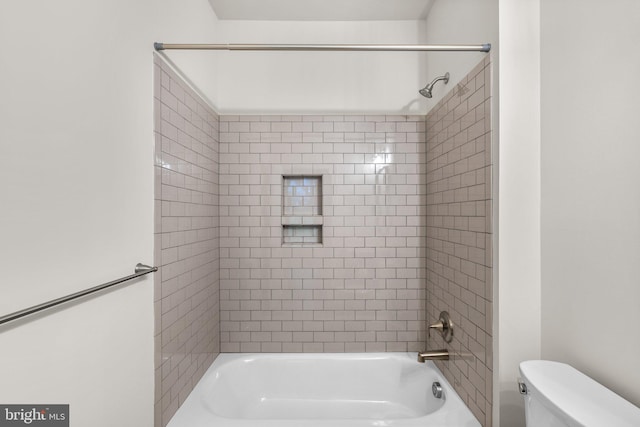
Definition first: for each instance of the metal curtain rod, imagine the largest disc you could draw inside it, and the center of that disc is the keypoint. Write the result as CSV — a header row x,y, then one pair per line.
x,y
332,47
140,270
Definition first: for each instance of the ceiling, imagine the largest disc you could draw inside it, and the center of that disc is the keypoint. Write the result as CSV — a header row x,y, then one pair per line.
x,y
322,10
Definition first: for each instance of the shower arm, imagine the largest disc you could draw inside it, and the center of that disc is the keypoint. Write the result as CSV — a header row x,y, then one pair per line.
x,y
437,79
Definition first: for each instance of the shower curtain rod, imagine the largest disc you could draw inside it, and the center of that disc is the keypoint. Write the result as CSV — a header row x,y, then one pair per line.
x,y
332,47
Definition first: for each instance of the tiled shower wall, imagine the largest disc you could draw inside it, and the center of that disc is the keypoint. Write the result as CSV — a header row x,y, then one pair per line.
x,y
186,240
368,283
459,234
363,287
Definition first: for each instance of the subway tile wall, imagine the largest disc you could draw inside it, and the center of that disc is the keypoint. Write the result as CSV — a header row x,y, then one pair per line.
x,y
459,234
186,240
397,244
364,287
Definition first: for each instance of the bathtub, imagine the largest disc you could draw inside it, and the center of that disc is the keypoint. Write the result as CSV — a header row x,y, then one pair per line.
x,y
328,390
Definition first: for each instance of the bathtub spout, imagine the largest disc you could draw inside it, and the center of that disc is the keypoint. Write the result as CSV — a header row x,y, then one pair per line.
x,y
433,355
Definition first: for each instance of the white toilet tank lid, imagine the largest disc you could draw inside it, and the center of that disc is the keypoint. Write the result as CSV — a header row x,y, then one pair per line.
x,y
577,396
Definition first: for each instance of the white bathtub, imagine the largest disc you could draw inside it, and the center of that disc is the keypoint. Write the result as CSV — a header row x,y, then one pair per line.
x,y
328,390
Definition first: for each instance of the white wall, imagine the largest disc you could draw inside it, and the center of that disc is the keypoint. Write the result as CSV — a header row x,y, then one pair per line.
x,y
310,82
458,22
590,193
569,206
77,197
519,202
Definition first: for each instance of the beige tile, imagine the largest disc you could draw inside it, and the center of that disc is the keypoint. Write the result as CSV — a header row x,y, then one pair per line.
x,y
187,241
461,283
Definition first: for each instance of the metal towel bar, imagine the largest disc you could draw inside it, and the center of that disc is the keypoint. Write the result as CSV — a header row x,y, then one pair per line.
x,y
140,270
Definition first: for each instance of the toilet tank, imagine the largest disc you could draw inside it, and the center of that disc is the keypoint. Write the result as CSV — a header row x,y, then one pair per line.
x,y
558,395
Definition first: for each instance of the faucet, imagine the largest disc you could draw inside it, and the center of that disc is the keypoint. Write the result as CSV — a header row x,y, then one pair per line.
x,y
444,325
433,355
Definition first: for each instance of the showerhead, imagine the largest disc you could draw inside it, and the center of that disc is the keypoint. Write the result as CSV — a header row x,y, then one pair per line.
x,y
426,91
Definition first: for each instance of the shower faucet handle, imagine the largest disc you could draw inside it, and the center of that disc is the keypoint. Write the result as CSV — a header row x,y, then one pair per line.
x,y
444,325
439,325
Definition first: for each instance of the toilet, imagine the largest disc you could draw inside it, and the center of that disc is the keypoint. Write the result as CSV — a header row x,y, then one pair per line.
x,y
558,395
